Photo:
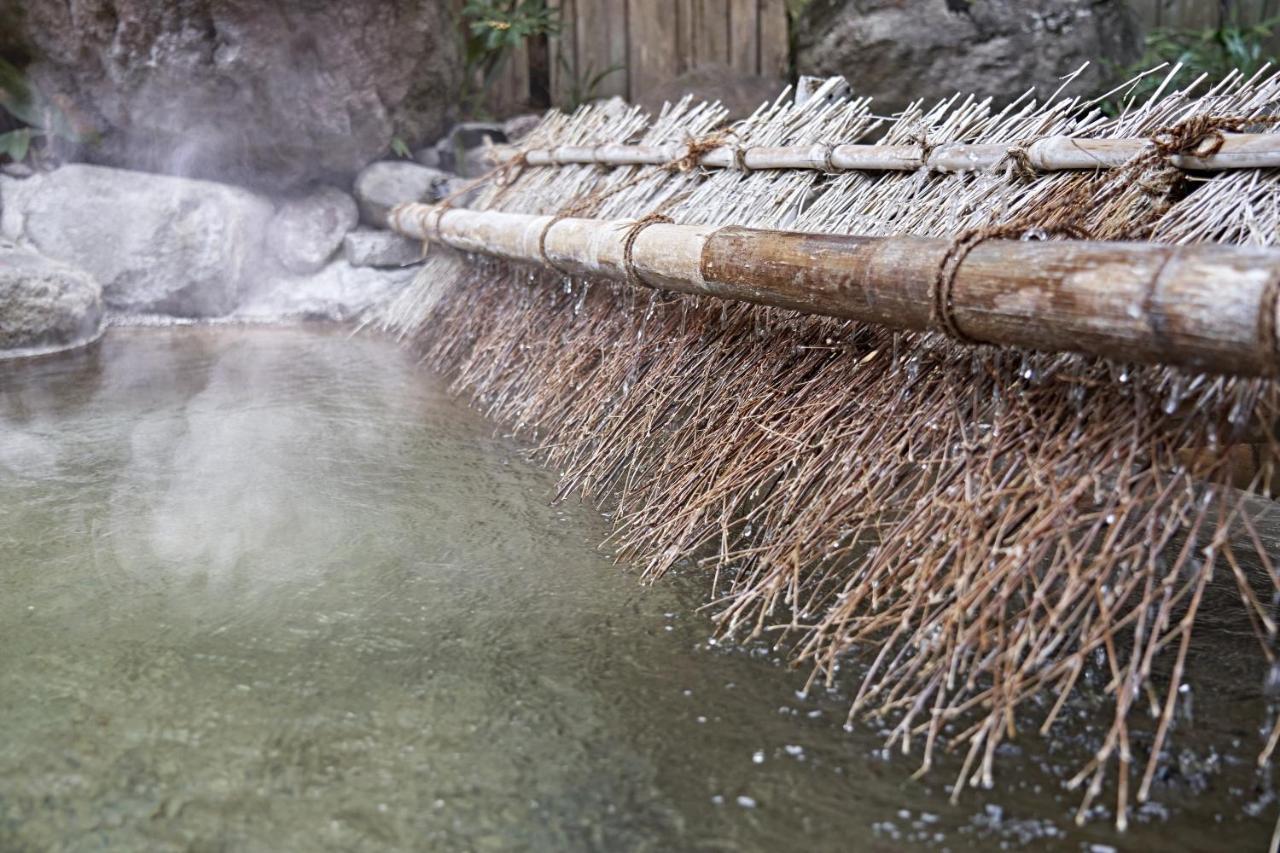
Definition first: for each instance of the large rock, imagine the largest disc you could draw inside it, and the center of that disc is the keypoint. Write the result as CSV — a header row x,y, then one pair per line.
x,y
901,50
339,292
45,305
306,231
381,186
158,244
273,94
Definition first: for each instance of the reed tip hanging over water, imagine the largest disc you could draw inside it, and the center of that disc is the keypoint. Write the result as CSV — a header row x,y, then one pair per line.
x,y
979,528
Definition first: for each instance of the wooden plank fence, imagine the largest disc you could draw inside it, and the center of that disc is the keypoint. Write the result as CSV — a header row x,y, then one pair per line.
x,y
1206,14
627,47
1192,14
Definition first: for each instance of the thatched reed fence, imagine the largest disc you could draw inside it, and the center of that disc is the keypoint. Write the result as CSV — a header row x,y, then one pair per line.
x,y
979,532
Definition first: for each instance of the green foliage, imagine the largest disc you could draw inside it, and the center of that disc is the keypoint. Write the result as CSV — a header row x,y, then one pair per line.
x,y
583,87
795,8
500,25
15,144
493,29
44,119
1215,52
400,148
795,11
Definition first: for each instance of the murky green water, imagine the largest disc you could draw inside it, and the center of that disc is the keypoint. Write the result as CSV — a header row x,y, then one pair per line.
x,y
274,590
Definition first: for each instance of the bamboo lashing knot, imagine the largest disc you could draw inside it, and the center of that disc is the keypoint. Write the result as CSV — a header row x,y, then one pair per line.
x,y
629,242
828,151
921,137
942,288
503,173
1187,137
739,154
542,239
423,213
1020,163
695,148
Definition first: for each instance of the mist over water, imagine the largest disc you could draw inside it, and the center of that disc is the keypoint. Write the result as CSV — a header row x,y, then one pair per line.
x,y
268,589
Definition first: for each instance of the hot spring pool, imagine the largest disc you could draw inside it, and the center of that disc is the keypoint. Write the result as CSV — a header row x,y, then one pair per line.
x,y
268,590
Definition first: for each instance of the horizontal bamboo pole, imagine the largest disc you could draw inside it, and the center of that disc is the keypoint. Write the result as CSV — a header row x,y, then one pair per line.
x,y
1211,308
1049,154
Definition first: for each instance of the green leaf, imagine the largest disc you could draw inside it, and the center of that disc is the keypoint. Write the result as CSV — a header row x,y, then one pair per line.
x,y
16,95
400,149
16,144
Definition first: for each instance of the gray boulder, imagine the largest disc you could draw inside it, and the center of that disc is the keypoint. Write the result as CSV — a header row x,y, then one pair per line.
x,y
158,244
366,247
306,231
381,186
463,149
429,157
45,305
14,193
518,127
901,50
339,292
275,95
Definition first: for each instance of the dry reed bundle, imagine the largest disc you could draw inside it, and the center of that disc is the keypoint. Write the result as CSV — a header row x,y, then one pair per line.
x,y
979,526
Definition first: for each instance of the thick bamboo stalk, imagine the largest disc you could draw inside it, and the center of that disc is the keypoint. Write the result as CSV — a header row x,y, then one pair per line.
x,y
1211,308
1049,154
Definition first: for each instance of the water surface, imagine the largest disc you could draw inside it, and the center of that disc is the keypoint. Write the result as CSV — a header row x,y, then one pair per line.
x,y
275,590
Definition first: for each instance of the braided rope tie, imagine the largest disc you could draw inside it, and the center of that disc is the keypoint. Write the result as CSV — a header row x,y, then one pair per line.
x,y
942,289
542,241
629,242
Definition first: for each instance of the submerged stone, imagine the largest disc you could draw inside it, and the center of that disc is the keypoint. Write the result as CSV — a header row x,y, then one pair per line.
x,y
338,293
45,306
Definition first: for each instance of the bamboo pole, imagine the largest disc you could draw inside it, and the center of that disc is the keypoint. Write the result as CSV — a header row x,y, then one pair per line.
x,y
1049,154
1211,308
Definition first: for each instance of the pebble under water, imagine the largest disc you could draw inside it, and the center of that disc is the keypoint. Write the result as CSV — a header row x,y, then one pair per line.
x,y
275,589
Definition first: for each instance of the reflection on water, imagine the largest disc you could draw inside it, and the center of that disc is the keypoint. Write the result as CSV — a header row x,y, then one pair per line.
x,y
274,590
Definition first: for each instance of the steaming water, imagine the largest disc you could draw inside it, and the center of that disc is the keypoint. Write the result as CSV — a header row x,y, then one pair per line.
x,y
274,590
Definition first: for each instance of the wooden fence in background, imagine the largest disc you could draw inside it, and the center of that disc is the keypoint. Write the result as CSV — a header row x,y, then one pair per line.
x,y
1192,14
630,46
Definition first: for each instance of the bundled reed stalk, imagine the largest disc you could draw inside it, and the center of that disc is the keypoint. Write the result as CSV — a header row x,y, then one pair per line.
x,y
978,526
